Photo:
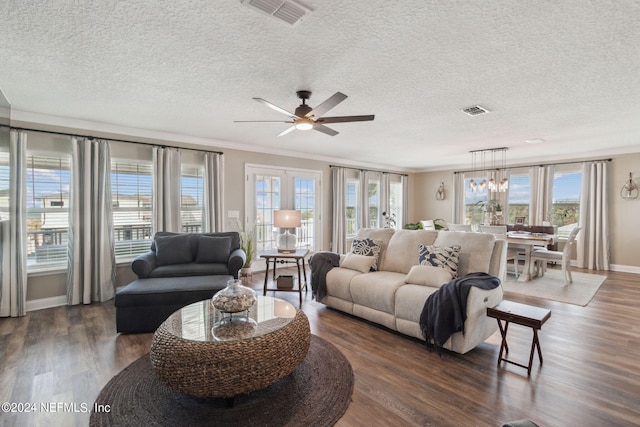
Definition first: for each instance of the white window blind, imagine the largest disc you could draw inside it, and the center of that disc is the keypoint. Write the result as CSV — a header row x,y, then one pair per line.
x,y
48,182
131,192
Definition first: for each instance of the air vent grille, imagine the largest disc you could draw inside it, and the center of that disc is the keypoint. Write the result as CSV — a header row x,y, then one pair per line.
x,y
289,11
475,110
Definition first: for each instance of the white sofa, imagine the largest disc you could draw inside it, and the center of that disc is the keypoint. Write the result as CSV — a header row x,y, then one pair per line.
x,y
388,296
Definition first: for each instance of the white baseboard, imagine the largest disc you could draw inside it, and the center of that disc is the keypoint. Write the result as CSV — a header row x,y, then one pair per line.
x,y
625,268
42,303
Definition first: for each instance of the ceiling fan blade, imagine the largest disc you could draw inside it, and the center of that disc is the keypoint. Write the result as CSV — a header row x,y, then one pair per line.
x,y
327,105
262,121
325,129
275,107
344,119
286,131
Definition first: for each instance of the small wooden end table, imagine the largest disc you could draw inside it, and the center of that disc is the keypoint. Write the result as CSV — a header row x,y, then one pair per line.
x,y
297,258
520,314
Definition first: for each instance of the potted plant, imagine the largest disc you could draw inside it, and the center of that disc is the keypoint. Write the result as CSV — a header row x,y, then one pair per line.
x,y
248,246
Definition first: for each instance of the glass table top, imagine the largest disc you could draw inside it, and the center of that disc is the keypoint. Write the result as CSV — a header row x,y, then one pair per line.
x,y
200,321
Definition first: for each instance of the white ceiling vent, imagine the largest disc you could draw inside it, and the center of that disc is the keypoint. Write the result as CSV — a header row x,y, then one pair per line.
x,y
288,11
475,110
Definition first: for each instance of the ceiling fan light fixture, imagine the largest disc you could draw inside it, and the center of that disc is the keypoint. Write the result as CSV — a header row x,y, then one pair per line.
x,y
304,125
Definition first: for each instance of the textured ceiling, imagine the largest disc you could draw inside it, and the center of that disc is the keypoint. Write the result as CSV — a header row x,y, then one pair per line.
x,y
563,71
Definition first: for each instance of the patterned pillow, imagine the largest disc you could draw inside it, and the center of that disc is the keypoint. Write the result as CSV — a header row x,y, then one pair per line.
x,y
368,247
438,256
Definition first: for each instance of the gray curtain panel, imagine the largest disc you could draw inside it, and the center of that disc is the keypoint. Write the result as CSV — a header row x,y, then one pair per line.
x,y
13,233
339,234
593,241
91,272
213,212
541,178
166,189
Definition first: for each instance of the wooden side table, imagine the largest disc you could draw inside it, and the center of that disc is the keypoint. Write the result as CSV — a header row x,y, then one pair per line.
x,y
297,258
520,314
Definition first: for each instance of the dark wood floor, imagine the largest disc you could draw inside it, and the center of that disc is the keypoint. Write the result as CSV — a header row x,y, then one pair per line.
x,y
590,376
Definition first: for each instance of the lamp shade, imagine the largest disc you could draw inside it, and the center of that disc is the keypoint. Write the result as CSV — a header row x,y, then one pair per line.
x,y
287,218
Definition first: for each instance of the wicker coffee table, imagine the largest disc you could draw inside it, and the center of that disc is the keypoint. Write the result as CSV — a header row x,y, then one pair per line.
x,y
200,352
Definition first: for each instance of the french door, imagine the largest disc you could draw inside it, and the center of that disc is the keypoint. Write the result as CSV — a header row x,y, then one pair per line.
x,y
270,189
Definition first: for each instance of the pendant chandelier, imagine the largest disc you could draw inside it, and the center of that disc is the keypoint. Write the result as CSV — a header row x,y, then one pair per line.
x,y
495,161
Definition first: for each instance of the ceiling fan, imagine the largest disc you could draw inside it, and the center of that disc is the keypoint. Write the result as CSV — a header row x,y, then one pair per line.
x,y
306,118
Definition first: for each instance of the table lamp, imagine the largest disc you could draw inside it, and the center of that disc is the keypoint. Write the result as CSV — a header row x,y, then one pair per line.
x,y
287,219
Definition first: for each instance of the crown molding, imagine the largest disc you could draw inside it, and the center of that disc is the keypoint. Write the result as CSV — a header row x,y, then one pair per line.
x,y
184,141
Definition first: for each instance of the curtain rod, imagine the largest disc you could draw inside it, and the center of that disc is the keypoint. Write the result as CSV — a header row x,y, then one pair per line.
x,y
528,166
367,170
108,139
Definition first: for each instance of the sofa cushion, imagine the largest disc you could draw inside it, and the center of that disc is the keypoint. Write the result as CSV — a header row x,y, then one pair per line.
x,y
401,252
410,301
190,269
367,247
361,263
173,249
476,249
339,282
376,290
428,275
213,249
440,257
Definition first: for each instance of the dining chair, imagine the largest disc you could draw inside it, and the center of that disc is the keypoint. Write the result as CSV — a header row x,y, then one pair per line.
x,y
500,231
542,256
428,224
459,227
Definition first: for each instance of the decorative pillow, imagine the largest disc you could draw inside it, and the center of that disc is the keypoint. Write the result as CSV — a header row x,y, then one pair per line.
x,y
361,263
367,247
213,249
173,249
428,275
437,256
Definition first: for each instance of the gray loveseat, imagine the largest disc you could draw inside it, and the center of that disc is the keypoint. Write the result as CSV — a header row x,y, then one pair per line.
x,y
180,269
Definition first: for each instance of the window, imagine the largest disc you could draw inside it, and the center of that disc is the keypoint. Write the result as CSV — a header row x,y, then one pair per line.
x,y
519,197
396,196
48,181
272,189
352,205
305,195
191,195
373,200
565,207
473,200
267,199
131,185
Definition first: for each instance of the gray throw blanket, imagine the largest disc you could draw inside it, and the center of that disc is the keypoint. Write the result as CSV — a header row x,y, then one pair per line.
x,y
445,311
320,264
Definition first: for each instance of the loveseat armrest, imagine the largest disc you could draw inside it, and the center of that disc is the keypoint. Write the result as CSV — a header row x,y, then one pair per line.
x,y
237,259
144,264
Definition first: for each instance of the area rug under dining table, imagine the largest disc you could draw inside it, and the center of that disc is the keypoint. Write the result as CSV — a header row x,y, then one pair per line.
x,y
552,286
316,394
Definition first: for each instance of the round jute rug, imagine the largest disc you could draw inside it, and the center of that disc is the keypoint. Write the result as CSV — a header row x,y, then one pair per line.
x,y
316,394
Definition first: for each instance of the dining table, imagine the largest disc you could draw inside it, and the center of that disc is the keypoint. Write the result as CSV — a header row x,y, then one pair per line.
x,y
527,242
